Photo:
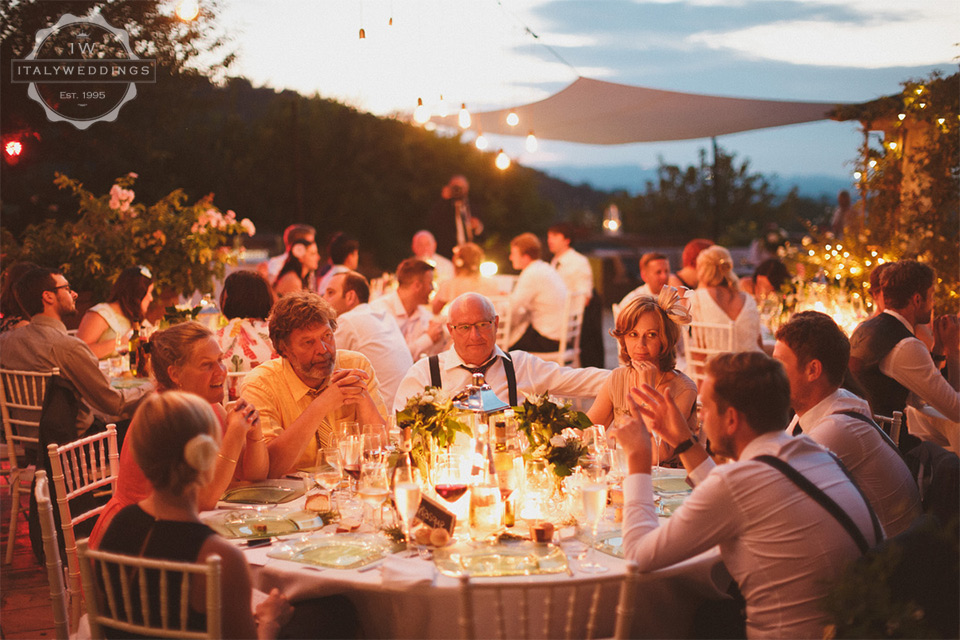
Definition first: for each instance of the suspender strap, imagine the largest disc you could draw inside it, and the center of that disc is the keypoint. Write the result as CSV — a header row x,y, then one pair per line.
x,y
870,421
827,502
435,381
511,380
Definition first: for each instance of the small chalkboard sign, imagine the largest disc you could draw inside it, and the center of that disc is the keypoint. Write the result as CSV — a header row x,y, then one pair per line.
x,y
435,515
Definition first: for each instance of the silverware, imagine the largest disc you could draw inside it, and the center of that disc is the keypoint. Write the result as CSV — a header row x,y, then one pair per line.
x,y
569,571
370,567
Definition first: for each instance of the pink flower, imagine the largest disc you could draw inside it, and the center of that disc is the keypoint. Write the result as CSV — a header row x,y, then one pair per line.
x,y
196,227
231,216
248,226
133,175
114,203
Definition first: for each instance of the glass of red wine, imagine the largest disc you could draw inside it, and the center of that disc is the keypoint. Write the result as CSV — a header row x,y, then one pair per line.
x,y
450,480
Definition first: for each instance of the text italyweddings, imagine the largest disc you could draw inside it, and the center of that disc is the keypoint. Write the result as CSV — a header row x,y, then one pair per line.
x,y
84,70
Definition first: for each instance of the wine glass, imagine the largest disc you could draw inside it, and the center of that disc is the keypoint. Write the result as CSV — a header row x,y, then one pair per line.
x,y
450,483
374,442
594,495
373,487
406,495
348,441
328,472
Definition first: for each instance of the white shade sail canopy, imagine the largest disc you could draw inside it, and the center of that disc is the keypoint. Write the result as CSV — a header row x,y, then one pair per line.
x,y
598,112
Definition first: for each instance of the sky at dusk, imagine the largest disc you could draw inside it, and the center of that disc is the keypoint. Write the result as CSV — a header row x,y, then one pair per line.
x,y
479,52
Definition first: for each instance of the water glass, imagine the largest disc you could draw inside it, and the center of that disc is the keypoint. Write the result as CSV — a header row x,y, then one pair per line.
x,y
406,495
373,488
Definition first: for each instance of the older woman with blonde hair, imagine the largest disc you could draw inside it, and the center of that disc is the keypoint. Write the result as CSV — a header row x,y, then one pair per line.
x,y
186,357
719,300
175,440
467,259
648,329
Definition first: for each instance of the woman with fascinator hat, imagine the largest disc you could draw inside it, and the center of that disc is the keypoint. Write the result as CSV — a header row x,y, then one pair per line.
x,y
648,329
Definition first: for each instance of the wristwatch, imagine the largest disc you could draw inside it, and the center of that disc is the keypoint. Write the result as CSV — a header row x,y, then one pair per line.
x,y
686,444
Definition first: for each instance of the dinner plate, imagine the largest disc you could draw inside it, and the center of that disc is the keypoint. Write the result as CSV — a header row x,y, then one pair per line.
x,y
254,525
271,492
522,558
340,551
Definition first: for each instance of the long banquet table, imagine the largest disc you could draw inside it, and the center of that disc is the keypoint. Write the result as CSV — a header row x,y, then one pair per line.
x,y
665,600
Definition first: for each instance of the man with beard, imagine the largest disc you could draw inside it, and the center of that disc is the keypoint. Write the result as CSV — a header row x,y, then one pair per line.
x,y
893,367
311,387
44,344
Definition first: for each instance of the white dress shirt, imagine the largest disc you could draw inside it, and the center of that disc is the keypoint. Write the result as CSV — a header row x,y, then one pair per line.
x,y
538,299
375,334
413,326
877,468
910,364
534,376
781,546
335,270
574,268
642,290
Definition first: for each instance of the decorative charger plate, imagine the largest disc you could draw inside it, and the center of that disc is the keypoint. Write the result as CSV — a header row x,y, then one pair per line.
x,y
268,492
671,482
502,559
340,551
252,524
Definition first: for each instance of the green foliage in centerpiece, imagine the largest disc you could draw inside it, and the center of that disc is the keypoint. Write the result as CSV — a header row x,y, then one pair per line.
x,y
433,422
553,432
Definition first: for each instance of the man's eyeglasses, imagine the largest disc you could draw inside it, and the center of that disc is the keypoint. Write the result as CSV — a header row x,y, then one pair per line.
x,y
62,286
465,328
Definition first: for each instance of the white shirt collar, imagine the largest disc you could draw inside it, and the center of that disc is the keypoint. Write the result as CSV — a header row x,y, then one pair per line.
x,y
450,359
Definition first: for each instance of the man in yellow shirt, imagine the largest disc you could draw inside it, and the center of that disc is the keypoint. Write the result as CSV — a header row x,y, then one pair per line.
x,y
311,387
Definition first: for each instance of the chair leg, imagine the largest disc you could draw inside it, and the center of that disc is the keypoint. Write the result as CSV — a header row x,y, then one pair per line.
x,y
14,513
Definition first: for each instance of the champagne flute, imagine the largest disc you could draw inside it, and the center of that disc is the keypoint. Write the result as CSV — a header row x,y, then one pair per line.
x,y
348,441
373,487
594,495
406,495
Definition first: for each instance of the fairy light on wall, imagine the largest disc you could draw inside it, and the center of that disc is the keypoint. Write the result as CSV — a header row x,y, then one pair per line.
x,y
464,117
503,160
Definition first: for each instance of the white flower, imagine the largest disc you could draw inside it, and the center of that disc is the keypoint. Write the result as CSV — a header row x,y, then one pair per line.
x,y
558,441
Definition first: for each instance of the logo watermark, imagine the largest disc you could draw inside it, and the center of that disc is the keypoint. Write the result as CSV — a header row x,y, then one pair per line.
x,y
82,70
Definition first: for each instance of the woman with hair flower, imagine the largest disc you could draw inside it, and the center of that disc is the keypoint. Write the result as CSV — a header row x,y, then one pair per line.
x,y
718,299
127,305
648,329
467,258
302,262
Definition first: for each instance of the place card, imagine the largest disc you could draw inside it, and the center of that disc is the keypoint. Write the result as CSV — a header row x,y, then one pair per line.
x,y
435,515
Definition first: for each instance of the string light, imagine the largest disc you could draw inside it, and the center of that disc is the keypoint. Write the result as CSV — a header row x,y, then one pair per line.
x,y
901,116
464,117
531,143
443,109
513,119
503,161
188,10
421,114
481,142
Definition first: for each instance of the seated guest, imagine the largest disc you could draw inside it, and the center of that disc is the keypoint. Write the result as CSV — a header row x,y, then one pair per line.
x,y
655,272
299,269
312,386
245,302
537,300
473,325
573,266
186,357
291,234
467,259
767,281
175,441
343,254
126,306
814,352
44,344
647,329
923,332
687,276
892,366
374,333
781,546
718,299
424,247
12,315
408,305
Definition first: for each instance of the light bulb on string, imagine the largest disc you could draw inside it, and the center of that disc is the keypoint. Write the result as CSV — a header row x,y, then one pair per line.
x,y
503,161
513,119
901,116
421,114
481,142
464,117
443,109
188,10
531,143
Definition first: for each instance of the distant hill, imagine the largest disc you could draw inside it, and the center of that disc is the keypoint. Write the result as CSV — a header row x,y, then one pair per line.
x,y
633,179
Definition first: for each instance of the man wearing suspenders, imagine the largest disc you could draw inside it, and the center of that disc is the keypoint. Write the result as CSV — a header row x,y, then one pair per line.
x,y
473,326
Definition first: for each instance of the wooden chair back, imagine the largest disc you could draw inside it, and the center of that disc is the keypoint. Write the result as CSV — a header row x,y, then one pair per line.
x,y
129,585
51,552
891,425
703,340
568,352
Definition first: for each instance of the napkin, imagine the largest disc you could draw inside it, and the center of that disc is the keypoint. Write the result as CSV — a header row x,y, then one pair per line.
x,y
406,572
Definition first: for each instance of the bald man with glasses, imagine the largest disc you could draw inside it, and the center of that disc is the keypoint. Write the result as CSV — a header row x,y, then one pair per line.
x,y
473,326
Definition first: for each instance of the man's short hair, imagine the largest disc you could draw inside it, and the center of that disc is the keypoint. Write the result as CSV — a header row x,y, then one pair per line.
x,y
341,246
876,277
813,335
902,280
647,258
299,310
774,271
754,384
528,244
30,287
246,295
693,249
298,232
353,281
564,229
411,270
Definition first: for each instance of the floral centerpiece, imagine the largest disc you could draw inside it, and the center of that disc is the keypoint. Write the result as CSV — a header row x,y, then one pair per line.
x,y
554,433
433,423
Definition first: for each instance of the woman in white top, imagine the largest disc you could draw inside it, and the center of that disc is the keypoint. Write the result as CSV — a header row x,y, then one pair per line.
x,y
129,299
718,299
467,258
